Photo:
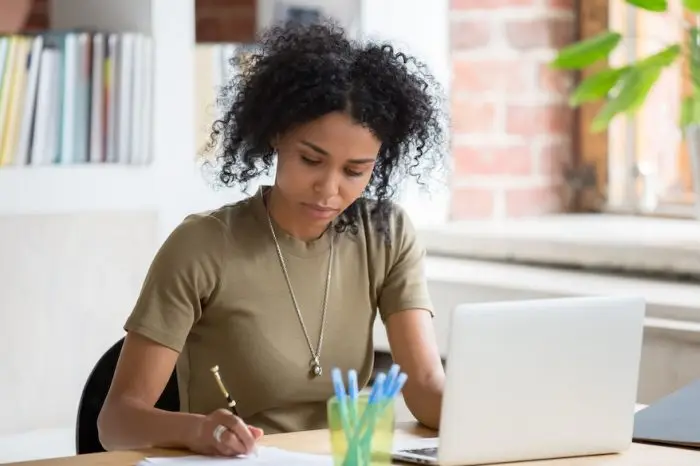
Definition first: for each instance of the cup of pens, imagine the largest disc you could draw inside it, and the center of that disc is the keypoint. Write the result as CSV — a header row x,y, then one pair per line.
x,y
362,425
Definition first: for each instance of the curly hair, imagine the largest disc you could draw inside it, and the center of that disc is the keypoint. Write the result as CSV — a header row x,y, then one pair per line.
x,y
298,73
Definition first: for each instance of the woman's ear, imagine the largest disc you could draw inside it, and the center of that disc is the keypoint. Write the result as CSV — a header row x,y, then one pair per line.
x,y
13,14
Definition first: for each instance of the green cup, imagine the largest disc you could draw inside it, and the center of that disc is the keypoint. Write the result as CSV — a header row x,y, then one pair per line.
x,y
371,443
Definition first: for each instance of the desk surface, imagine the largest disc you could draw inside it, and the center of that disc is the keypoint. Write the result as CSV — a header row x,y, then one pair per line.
x,y
317,442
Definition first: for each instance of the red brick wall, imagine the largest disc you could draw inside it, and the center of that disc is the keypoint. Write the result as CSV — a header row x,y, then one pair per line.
x,y
511,125
217,20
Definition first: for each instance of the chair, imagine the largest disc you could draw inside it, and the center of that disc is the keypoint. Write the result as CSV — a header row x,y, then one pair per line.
x,y
94,393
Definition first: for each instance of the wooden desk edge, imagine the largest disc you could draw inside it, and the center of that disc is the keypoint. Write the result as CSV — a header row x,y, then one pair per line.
x,y
317,442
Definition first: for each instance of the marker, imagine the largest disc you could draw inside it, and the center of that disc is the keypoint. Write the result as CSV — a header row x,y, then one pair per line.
x,y
353,393
337,378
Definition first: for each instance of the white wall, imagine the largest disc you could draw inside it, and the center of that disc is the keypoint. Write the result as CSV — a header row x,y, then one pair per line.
x,y
68,284
420,28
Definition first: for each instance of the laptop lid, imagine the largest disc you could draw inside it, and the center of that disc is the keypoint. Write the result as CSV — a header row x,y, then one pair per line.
x,y
539,379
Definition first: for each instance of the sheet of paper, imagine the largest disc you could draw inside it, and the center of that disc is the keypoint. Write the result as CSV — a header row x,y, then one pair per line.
x,y
266,456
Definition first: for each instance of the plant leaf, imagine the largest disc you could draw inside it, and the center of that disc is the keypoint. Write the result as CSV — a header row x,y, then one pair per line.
x,y
634,88
650,5
588,51
692,5
596,86
665,57
694,61
690,111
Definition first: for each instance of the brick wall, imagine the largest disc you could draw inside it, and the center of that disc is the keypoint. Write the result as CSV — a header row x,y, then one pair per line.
x,y
217,20
511,125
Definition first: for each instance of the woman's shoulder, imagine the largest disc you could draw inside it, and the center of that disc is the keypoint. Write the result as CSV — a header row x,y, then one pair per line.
x,y
215,225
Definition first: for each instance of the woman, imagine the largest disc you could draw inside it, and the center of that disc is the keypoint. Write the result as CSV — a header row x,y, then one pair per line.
x,y
281,287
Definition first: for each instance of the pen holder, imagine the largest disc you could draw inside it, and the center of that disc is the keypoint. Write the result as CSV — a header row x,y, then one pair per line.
x,y
362,435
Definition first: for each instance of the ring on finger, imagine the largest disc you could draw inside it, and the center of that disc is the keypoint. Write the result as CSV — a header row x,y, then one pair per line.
x,y
218,431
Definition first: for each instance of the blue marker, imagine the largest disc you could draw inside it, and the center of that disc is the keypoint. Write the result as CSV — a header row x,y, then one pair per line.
x,y
339,388
397,386
353,394
393,391
390,379
375,397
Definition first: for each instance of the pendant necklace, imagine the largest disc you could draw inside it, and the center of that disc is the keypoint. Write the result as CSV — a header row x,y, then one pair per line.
x,y
316,370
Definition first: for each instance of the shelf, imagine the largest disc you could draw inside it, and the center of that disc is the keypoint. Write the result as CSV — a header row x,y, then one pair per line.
x,y
76,188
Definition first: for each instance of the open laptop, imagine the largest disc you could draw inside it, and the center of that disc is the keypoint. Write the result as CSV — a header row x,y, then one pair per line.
x,y
537,379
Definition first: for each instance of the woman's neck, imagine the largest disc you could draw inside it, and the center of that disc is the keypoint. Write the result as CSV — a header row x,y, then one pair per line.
x,y
284,217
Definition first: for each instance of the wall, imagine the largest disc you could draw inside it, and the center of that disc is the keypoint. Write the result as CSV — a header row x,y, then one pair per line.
x,y
511,126
73,281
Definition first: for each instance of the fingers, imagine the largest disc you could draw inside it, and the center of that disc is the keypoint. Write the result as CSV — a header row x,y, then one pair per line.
x,y
240,429
237,438
230,444
256,432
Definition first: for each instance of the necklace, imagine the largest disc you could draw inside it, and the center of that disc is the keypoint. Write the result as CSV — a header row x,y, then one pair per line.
x,y
315,363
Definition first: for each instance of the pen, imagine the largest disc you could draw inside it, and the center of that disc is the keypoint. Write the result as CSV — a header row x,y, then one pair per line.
x,y
231,401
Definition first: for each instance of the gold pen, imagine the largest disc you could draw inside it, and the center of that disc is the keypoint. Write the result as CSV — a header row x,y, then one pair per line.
x,y
231,401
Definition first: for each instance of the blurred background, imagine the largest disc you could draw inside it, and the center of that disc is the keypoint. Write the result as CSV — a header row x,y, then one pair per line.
x,y
99,163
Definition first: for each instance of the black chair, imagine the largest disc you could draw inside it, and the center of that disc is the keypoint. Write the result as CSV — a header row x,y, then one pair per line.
x,y
94,393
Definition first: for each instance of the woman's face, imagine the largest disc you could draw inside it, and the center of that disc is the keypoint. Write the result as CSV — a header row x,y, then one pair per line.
x,y
324,166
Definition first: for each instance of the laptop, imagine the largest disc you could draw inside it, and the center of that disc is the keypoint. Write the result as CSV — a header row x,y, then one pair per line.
x,y
537,379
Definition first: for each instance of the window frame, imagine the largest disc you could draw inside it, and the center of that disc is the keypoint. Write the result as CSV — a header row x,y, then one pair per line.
x,y
610,154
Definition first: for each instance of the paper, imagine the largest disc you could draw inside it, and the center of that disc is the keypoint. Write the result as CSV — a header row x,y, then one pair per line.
x,y
266,456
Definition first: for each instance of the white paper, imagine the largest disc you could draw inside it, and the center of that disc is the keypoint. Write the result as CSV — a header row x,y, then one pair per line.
x,y
266,456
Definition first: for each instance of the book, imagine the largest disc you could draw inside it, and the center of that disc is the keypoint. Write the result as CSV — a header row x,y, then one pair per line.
x,y
75,97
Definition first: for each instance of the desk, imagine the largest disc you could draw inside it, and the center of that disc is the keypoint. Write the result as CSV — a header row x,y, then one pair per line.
x,y
317,442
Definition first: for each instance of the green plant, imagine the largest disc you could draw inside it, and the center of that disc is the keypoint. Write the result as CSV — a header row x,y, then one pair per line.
x,y
624,89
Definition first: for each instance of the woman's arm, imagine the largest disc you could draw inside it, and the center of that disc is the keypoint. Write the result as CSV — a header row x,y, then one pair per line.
x,y
414,348
129,420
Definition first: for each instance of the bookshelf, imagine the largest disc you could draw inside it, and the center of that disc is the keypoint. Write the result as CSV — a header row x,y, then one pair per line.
x,y
162,177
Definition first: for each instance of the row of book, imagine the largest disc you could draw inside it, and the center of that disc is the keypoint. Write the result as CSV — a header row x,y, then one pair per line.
x,y
75,97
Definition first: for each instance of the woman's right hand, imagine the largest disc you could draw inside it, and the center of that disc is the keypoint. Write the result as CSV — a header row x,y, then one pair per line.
x,y
237,438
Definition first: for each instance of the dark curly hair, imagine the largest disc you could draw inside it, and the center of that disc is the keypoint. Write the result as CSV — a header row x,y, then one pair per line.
x,y
297,73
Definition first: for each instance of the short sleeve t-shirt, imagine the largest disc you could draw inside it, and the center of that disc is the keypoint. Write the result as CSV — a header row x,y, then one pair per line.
x,y
216,293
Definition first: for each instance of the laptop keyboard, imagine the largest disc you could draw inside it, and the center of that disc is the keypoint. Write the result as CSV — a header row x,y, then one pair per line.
x,y
430,451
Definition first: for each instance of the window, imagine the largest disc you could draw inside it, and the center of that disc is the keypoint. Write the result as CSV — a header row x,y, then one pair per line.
x,y
644,160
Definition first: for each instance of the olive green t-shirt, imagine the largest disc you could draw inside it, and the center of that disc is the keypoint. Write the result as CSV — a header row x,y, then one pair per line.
x,y
216,293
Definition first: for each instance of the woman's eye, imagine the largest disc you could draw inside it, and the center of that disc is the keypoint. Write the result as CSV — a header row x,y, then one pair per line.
x,y
310,161
353,173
